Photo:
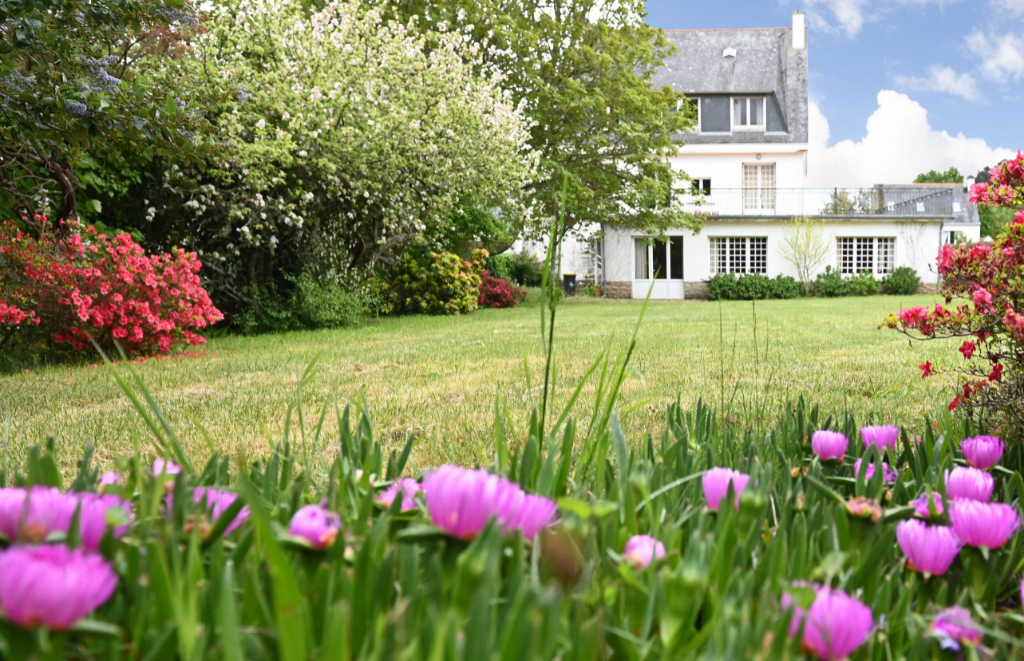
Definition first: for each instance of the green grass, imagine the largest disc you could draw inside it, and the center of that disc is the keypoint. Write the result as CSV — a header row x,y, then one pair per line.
x,y
438,376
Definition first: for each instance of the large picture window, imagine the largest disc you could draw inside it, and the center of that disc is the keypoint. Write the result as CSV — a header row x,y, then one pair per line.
x,y
875,254
738,254
658,259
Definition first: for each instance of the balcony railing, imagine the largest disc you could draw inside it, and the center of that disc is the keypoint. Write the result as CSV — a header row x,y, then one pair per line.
x,y
879,201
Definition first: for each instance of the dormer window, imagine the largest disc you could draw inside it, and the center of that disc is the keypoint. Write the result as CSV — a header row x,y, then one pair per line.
x,y
748,113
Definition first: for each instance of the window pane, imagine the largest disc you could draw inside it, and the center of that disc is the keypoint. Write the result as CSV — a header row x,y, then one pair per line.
x,y
755,112
676,258
886,255
759,255
737,255
642,266
739,112
865,255
846,256
719,255
659,265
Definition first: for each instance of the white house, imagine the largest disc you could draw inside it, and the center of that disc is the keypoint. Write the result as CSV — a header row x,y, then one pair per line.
x,y
747,159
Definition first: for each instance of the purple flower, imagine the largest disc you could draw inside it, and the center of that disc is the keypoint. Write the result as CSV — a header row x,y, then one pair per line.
x,y
642,550
408,487
888,475
52,585
716,484
881,436
48,511
983,524
929,549
829,444
163,467
462,501
921,505
956,623
982,451
316,525
836,624
110,478
969,483
216,502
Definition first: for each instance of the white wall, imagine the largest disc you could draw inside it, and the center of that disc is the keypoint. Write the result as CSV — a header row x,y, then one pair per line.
x,y
725,169
917,243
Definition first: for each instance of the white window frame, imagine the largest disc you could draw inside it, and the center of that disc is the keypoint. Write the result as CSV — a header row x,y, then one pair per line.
x,y
759,198
880,251
650,258
697,182
726,250
748,127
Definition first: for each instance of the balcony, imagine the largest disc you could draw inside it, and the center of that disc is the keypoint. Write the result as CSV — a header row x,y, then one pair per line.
x,y
876,201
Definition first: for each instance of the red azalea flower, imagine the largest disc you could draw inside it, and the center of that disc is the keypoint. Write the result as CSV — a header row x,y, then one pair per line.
x,y
997,373
967,349
926,369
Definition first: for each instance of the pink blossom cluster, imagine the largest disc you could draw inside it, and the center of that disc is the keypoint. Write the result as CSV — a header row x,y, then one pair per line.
x,y
498,293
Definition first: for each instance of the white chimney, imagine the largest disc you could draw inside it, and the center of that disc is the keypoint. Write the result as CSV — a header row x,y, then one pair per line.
x,y
799,32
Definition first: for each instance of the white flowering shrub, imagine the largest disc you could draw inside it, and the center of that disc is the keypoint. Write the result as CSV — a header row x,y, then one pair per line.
x,y
345,139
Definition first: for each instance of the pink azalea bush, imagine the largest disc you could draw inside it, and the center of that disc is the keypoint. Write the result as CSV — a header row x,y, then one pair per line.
x,y
498,293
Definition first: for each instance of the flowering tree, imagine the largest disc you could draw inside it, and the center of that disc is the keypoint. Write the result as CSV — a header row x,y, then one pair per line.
x,y
346,140
68,89
988,282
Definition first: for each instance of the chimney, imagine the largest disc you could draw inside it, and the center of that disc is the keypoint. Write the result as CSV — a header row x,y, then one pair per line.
x,y
799,31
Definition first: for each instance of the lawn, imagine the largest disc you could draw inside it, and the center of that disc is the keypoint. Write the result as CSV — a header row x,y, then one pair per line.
x,y
438,376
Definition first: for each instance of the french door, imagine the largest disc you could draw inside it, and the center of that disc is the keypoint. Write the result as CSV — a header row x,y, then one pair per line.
x,y
659,262
759,187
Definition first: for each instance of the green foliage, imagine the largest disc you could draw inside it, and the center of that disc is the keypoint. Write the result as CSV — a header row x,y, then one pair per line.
x,y
863,284
722,287
784,286
950,176
806,246
583,72
831,283
521,268
326,305
994,220
903,281
750,286
440,283
65,99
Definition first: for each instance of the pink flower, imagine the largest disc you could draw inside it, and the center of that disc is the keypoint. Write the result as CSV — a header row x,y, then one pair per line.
x,y
912,317
164,467
888,475
969,483
835,625
829,444
716,483
978,192
946,258
642,550
316,525
956,623
52,585
982,451
110,478
50,511
408,487
929,549
983,524
983,300
462,501
921,505
881,436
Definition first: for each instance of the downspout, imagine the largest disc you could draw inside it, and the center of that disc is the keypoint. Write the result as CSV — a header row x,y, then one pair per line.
x,y
604,264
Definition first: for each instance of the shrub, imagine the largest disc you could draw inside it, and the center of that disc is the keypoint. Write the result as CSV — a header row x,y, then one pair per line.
x,y
441,283
722,287
784,286
326,305
525,269
831,283
863,284
498,293
903,281
750,286
60,293
986,282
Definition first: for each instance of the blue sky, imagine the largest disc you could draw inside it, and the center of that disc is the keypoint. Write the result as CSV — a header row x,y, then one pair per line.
x,y
950,73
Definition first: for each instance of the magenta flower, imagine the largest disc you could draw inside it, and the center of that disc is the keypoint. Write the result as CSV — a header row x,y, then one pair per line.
x,y
956,623
982,452
51,511
888,475
881,436
96,515
921,505
642,550
829,444
983,524
408,487
164,467
462,501
52,585
929,549
969,483
315,524
834,626
716,484
216,502
110,478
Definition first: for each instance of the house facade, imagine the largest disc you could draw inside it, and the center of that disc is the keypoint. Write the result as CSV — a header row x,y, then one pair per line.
x,y
747,160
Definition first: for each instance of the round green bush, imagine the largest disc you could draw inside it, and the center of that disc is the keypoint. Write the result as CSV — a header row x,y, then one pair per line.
x,y
903,282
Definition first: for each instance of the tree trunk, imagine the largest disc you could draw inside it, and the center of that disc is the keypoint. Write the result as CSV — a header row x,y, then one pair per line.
x,y
64,175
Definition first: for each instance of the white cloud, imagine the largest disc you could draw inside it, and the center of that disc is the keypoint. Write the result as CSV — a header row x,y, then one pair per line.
x,y
1002,57
849,16
1015,7
899,145
943,79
